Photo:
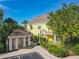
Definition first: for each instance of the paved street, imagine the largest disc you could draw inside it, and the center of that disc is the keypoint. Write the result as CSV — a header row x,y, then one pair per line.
x,y
33,55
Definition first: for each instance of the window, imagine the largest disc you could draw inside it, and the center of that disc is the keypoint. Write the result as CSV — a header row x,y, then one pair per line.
x,y
39,27
31,27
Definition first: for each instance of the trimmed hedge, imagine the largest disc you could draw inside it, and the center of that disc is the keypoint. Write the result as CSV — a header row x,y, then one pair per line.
x,y
75,49
59,52
54,49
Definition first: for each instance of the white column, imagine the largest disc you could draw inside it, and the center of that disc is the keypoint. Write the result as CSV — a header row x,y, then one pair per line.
x,y
55,39
16,43
28,41
10,44
24,42
7,43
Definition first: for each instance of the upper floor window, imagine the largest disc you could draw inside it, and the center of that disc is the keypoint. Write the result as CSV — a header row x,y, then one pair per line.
x,y
39,27
31,27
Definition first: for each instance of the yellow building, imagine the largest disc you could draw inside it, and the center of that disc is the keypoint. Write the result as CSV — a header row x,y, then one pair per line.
x,y
38,26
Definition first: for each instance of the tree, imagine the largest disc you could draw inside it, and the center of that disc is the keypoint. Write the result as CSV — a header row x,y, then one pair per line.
x,y
1,31
9,25
6,27
25,24
10,21
1,14
65,22
1,22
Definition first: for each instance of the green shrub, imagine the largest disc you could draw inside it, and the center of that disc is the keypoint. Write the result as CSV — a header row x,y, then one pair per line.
x,y
75,49
44,44
1,48
59,52
34,37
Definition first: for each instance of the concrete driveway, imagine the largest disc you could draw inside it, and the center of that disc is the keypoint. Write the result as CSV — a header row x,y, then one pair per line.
x,y
44,54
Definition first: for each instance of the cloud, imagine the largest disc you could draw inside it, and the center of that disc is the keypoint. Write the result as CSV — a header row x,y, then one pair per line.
x,y
2,0
4,7
7,0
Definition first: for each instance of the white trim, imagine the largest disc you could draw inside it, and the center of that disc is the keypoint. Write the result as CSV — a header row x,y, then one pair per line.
x,y
55,39
10,44
24,42
28,41
17,36
16,43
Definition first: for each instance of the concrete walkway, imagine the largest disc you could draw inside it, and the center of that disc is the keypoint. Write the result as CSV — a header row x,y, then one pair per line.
x,y
44,53
38,49
72,57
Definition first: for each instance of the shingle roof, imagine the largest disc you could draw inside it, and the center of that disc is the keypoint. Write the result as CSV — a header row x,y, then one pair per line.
x,y
19,32
40,19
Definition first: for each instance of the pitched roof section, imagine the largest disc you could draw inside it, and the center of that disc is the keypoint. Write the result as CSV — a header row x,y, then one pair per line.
x,y
19,32
40,19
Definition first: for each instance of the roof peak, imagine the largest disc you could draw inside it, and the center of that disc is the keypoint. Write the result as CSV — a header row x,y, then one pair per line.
x,y
18,32
40,19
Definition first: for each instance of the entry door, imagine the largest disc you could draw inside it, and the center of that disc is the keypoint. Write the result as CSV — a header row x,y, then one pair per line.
x,y
27,41
20,43
13,44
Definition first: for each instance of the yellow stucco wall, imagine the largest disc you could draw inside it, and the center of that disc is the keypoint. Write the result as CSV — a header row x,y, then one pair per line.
x,y
50,38
35,30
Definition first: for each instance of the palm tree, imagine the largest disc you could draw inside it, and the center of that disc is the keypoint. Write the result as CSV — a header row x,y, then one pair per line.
x,y
25,24
10,21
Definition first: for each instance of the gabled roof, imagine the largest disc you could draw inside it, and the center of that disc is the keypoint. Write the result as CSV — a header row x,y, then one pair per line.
x,y
40,19
19,32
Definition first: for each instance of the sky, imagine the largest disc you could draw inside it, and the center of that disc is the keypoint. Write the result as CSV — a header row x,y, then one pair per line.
x,y
21,10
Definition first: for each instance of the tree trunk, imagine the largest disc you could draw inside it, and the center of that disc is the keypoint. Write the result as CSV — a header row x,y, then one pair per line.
x,y
69,39
63,38
70,36
64,42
